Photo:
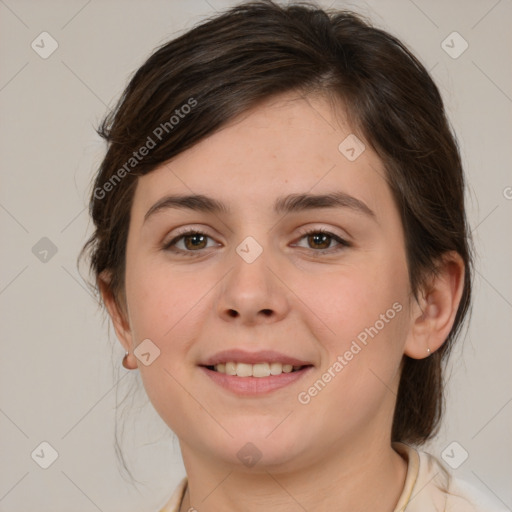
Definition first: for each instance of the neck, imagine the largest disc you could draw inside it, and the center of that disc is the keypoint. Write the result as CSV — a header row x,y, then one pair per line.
x,y
364,476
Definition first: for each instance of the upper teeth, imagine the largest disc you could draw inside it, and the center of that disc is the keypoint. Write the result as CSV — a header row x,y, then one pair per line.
x,y
254,370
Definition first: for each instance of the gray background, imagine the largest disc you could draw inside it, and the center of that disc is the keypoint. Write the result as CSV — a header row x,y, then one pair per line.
x,y
60,368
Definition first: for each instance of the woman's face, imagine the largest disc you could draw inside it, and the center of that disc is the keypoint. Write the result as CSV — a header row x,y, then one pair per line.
x,y
252,287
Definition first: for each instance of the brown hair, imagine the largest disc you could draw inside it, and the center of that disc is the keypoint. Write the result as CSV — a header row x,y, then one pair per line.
x,y
234,60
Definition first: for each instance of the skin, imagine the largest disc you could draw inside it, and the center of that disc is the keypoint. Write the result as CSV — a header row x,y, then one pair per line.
x,y
299,297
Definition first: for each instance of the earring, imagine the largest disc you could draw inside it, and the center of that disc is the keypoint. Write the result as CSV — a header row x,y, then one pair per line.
x,y
428,351
125,361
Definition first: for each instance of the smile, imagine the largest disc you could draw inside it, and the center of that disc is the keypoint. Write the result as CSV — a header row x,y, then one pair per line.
x,y
254,373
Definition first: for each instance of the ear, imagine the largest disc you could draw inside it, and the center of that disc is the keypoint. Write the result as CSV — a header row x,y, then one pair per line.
x,y
434,313
118,315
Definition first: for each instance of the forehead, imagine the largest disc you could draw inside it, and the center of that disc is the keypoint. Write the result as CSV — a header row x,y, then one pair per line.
x,y
287,143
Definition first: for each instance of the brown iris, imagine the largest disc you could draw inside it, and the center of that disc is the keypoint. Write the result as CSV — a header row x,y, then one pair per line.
x,y
197,238
326,239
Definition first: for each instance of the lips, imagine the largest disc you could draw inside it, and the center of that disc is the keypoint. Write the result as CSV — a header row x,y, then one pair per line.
x,y
254,373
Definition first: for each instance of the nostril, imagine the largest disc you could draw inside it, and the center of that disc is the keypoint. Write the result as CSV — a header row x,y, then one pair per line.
x,y
267,312
232,313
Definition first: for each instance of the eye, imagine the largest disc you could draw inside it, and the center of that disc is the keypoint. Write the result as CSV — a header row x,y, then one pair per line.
x,y
320,240
193,241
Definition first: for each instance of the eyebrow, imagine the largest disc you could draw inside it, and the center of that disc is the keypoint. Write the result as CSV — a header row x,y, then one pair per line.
x,y
286,204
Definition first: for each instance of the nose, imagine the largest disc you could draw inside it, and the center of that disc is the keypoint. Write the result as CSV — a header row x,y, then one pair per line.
x,y
253,292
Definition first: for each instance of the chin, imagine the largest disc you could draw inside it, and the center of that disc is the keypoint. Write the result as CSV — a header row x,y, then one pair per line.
x,y
262,448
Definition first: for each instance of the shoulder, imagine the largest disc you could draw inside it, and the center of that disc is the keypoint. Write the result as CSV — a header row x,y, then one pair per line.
x,y
465,497
430,486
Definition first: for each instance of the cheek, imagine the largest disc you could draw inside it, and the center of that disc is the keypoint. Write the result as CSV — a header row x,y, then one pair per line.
x,y
160,299
165,305
364,314
358,299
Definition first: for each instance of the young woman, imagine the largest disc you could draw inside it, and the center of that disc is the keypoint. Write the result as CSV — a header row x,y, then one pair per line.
x,y
281,243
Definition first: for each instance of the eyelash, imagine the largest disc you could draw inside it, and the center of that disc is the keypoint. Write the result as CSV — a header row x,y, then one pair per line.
x,y
169,246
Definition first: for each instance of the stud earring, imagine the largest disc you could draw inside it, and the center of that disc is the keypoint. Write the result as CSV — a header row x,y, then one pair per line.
x,y
125,361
